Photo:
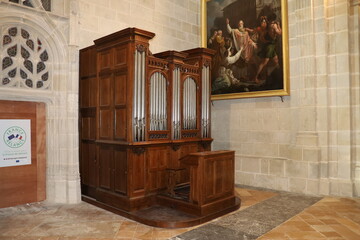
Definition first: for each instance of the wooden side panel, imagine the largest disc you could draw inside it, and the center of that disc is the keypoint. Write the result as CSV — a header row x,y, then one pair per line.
x,y
120,58
137,172
104,60
120,171
106,167
157,160
26,183
105,91
106,121
88,164
218,178
120,89
120,124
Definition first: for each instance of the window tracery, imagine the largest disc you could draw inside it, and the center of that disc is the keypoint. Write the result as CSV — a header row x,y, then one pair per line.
x,y
25,60
46,4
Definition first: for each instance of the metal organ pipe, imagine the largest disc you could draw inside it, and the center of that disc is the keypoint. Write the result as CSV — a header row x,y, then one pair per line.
x,y
189,104
205,102
139,97
158,114
176,103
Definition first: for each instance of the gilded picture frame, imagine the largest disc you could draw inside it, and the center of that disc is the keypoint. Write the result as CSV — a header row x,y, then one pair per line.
x,y
250,38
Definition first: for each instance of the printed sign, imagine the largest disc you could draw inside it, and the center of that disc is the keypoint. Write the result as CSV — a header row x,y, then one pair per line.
x,y
15,142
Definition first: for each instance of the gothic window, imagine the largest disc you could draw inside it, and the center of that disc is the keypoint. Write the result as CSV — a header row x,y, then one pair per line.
x,y
46,4
25,59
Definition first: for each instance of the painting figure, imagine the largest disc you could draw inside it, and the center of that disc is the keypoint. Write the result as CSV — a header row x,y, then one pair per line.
x,y
267,36
242,40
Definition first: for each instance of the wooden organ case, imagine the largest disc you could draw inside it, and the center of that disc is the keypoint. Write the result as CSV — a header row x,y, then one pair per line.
x,y
140,114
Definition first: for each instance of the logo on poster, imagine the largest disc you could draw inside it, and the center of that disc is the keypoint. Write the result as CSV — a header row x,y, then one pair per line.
x,y
14,137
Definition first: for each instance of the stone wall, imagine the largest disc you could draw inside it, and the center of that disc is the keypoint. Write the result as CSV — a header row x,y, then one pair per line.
x,y
309,142
175,23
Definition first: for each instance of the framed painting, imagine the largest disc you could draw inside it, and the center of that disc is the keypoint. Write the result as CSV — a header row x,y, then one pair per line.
x,y
250,38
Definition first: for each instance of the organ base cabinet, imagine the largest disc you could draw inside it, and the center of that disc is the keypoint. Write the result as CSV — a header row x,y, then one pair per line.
x,y
145,133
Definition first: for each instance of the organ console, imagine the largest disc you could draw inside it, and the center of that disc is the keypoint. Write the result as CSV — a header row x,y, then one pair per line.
x,y
145,133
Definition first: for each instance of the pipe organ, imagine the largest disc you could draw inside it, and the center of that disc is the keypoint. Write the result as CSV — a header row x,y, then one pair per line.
x,y
140,114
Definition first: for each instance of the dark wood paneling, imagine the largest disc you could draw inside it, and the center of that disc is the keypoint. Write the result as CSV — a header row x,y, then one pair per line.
x,y
106,167
106,120
120,124
105,90
105,60
120,171
120,57
120,89
137,171
157,162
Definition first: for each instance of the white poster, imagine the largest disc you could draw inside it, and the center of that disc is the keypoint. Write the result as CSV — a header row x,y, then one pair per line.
x,y
15,142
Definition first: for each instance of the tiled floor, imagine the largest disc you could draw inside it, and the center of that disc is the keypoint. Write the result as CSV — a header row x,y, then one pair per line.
x,y
330,218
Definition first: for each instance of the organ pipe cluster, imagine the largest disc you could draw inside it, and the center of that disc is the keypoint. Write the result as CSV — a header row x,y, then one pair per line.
x,y
139,97
189,104
158,113
205,113
176,104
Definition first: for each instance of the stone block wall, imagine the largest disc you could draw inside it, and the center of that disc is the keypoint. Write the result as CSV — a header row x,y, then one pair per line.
x,y
175,23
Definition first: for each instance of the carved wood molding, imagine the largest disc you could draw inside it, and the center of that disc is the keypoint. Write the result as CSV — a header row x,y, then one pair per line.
x,y
207,63
141,48
138,150
176,147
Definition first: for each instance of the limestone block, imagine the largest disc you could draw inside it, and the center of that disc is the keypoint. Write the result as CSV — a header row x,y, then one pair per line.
x,y
312,187
296,169
344,170
122,6
237,162
264,165
307,139
324,170
265,181
311,154
296,153
266,149
333,169
244,178
346,189
314,170
324,187
277,167
357,188
341,22
251,165
297,185
284,151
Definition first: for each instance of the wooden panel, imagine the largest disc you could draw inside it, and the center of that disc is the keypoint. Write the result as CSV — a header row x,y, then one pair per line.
x,y
105,91
105,167
104,60
88,164
120,89
120,171
84,93
105,124
157,160
84,163
85,127
25,184
120,56
120,124
93,89
137,172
